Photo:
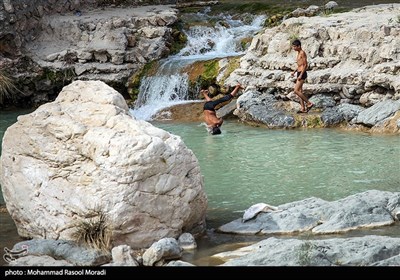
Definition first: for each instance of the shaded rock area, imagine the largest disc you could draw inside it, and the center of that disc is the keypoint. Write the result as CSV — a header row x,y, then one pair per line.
x,y
84,160
45,252
57,253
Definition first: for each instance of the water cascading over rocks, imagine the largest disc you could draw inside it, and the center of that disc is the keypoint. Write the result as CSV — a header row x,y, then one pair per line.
x,y
84,154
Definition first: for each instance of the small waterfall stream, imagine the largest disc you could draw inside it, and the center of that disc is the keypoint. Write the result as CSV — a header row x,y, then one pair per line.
x,y
169,86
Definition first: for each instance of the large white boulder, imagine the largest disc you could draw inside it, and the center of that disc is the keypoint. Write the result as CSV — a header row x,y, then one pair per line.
x,y
84,152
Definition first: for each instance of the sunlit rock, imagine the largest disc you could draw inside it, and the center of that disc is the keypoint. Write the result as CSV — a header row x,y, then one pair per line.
x,y
84,159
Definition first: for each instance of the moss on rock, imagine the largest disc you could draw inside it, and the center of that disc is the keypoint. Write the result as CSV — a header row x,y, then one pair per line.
x,y
308,120
148,69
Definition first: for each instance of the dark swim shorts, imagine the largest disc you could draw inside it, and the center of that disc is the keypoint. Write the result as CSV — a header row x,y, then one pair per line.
x,y
303,77
210,105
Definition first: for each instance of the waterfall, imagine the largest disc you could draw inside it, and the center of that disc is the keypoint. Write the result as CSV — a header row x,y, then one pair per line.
x,y
169,86
159,92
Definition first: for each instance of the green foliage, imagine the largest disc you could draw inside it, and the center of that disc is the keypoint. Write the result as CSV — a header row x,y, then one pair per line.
x,y
308,251
308,120
396,20
103,3
201,74
94,231
201,82
60,78
339,10
274,20
209,75
294,31
211,69
245,43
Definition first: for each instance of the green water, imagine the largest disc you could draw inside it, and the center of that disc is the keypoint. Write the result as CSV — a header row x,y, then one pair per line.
x,y
247,165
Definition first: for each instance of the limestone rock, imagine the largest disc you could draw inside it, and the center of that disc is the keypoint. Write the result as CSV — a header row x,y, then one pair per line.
x,y
251,212
83,155
356,251
164,249
187,241
123,255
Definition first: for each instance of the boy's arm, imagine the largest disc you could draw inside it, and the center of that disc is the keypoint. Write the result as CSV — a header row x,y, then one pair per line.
x,y
235,90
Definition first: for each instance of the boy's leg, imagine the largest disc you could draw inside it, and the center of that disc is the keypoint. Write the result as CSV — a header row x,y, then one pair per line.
x,y
299,92
222,99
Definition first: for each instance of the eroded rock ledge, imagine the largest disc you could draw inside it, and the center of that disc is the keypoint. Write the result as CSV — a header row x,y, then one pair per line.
x,y
47,50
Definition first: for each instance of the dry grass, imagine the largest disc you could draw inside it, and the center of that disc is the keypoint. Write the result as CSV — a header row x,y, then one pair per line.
x,y
7,88
3,209
94,231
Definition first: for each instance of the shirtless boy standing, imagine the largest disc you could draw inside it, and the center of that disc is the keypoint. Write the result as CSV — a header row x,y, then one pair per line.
x,y
301,72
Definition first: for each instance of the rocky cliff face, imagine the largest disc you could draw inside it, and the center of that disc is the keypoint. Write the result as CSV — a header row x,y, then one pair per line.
x,y
20,19
46,44
353,62
353,57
